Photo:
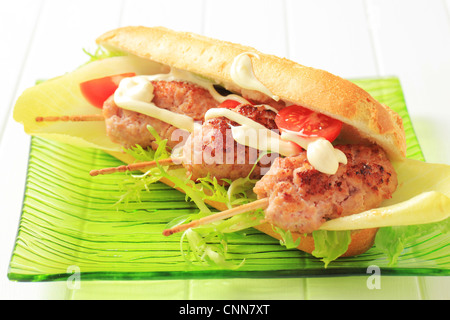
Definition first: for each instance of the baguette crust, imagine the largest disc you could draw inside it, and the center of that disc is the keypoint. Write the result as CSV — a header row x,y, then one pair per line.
x,y
312,88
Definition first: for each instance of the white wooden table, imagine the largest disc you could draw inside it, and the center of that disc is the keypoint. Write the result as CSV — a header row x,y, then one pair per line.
x,y
409,39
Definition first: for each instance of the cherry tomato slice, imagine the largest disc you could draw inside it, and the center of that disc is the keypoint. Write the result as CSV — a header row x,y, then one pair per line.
x,y
96,91
229,104
307,123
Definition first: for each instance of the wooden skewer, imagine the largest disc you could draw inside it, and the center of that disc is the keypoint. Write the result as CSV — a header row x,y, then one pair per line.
x,y
85,117
132,167
258,204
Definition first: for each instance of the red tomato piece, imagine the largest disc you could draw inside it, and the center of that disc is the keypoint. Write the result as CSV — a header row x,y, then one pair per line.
x,y
229,104
307,123
96,91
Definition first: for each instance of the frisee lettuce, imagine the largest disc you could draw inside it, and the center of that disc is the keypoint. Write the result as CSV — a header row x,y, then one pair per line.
x,y
207,248
140,154
134,185
393,240
188,187
330,245
102,53
287,239
208,243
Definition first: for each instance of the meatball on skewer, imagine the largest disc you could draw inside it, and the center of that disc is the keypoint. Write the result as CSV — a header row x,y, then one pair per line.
x,y
212,151
129,128
301,199
298,198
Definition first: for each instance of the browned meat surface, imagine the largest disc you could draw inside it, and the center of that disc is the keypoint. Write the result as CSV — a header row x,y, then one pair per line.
x,y
302,198
129,128
213,149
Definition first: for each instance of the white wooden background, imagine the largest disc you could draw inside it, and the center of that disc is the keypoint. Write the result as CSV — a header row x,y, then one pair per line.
x,y
352,38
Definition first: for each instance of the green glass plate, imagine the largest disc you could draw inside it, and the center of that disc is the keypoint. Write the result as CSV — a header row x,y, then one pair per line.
x,y
71,222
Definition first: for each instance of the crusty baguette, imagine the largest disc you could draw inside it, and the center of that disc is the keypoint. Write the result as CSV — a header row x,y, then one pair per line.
x,y
312,88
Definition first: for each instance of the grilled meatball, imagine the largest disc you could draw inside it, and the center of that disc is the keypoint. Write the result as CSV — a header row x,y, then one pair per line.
x,y
212,150
129,128
302,198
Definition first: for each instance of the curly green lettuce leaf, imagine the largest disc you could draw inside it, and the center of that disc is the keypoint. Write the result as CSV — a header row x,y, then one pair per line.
x,y
188,187
102,53
140,154
194,192
208,249
240,191
330,245
212,189
202,240
208,243
136,183
393,240
287,239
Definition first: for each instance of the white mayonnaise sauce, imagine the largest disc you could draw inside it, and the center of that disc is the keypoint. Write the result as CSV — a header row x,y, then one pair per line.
x,y
242,74
253,134
320,152
264,139
324,157
136,94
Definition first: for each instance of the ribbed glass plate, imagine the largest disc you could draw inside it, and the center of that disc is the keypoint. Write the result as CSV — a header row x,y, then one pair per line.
x,y
70,222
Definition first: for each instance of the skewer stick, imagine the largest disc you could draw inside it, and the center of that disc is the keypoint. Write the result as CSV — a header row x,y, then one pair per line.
x,y
85,117
132,167
258,204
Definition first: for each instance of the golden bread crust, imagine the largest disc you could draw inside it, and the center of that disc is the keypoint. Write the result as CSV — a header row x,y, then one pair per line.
x,y
312,88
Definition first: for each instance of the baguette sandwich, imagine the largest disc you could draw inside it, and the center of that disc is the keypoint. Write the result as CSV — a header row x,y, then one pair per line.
x,y
352,176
